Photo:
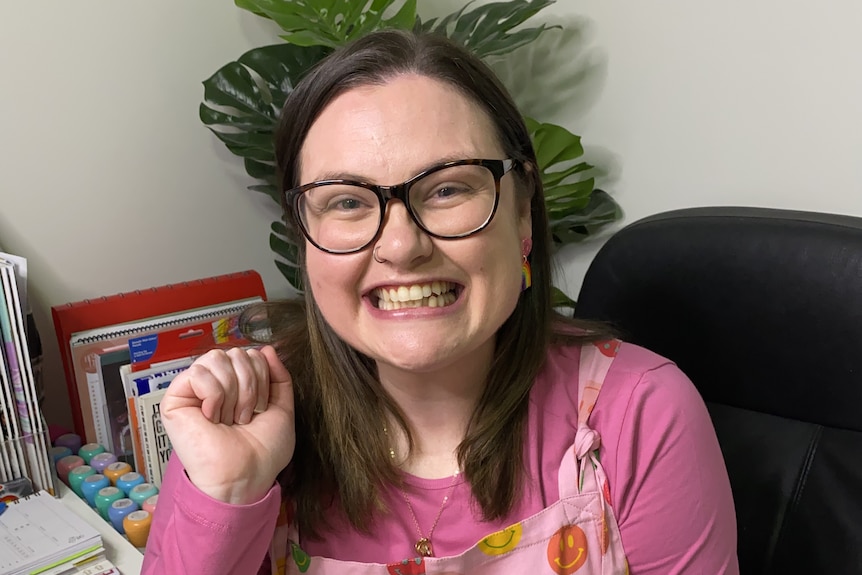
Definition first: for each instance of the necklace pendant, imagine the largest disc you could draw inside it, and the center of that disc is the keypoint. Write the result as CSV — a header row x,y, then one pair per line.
x,y
423,547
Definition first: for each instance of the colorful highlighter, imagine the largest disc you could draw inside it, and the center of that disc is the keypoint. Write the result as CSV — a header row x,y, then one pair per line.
x,y
91,485
65,466
141,492
129,480
105,497
88,450
137,527
150,503
101,461
58,452
77,476
70,440
116,470
118,511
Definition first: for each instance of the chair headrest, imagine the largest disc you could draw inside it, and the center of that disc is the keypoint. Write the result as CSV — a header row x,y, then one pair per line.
x,y
762,308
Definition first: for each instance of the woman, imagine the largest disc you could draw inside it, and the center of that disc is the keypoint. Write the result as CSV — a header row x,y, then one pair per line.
x,y
424,410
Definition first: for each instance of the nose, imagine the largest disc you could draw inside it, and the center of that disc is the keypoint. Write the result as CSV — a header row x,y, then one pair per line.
x,y
401,242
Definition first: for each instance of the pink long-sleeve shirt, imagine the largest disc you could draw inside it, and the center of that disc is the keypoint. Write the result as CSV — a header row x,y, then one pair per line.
x,y
669,487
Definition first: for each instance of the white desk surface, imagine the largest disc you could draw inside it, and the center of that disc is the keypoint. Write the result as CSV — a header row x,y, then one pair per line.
x,y
118,550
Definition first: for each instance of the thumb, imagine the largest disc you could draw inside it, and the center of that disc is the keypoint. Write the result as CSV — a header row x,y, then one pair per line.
x,y
280,382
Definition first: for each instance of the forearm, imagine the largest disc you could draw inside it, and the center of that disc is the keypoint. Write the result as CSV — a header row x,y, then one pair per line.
x,y
195,534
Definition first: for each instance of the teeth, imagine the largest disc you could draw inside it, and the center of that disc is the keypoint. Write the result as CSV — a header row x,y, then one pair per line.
x,y
434,294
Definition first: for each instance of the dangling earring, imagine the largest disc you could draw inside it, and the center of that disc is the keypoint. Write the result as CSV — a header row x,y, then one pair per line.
x,y
526,272
526,275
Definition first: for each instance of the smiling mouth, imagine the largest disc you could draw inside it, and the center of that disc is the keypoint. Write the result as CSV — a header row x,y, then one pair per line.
x,y
433,294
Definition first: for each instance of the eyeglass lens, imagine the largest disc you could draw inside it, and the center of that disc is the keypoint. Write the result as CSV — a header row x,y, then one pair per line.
x,y
450,202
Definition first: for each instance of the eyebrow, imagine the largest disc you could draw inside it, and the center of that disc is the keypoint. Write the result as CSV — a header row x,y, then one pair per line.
x,y
340,175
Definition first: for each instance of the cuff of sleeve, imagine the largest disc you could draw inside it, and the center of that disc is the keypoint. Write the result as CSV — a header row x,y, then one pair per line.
x,y
224,517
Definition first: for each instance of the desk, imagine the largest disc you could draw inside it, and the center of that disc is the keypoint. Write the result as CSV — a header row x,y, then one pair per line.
x,y
118,550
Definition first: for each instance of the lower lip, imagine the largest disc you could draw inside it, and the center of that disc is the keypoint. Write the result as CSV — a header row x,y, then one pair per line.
x,y
415,312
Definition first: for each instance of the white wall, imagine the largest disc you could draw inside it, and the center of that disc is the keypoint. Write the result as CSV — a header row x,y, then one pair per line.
x,y
108,181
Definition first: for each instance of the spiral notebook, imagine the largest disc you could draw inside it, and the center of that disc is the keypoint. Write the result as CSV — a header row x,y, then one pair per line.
x,y
89,328
38,532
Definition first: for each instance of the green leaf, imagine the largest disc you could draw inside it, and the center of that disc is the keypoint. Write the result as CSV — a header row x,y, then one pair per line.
x,y
253,90
291,274
600,211
555,144
261,170
332,23
575,208
268,189
404,18
560,299
281,244
281,67
232,86
252,140
553,178
486,29
212,117
310,38
246,5
555,195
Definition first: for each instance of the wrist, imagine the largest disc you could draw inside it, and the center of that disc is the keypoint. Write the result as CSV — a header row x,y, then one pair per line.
x,y
237,492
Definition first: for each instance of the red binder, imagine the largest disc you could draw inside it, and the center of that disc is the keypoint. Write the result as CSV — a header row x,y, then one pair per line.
x,y
105,311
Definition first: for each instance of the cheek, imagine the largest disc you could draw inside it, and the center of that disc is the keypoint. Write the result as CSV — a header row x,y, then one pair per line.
x,y
329,274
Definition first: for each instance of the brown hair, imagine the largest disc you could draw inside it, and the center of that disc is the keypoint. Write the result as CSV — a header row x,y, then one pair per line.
x,y
342,453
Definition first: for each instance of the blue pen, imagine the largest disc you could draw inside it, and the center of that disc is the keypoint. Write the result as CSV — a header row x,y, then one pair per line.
x,y
2,507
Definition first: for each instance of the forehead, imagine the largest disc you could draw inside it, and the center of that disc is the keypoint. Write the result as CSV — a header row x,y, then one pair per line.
x,y
387,133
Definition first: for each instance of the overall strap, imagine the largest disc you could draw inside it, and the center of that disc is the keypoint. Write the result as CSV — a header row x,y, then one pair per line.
x,y
595,362
285,530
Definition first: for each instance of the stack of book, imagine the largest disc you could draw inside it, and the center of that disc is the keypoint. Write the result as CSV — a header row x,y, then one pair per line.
x,y
24,443
120,353
38,534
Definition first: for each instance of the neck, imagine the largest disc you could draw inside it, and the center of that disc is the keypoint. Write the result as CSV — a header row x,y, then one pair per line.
x,y
437,407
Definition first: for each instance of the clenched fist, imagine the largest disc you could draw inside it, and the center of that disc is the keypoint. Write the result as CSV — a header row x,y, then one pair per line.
x,y
230,419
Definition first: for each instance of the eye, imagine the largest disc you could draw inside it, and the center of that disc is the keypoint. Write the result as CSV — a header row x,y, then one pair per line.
x,y
339,201
449,190
344,204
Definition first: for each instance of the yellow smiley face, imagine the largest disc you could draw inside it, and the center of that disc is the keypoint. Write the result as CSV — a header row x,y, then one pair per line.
x,y
501,541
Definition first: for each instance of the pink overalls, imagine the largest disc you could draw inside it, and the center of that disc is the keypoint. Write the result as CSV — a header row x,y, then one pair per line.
x,y
576,535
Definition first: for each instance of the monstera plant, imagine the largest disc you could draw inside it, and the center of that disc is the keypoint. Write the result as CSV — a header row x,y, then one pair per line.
x,y
242,99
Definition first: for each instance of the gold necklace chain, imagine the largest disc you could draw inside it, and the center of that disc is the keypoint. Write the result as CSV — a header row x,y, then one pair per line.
x,y
423,545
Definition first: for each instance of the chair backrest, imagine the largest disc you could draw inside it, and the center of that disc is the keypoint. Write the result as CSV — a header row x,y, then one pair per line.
x,y
762,309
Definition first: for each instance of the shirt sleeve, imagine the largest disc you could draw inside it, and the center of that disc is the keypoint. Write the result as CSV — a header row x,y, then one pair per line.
x,y
673,500
193,533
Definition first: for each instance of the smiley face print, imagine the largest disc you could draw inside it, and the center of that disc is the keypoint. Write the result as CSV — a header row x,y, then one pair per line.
x,y
567,550
502,541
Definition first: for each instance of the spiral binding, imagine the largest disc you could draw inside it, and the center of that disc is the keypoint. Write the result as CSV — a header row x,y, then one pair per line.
x,y
189,316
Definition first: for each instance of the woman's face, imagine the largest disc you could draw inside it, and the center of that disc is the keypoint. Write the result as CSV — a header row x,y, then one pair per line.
x,y
385,135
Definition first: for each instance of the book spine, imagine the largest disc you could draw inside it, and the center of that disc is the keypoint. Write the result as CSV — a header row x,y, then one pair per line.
x,y
145,439
98,404
156,444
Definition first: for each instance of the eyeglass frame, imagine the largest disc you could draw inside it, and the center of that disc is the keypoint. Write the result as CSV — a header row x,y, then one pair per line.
x,y
385,194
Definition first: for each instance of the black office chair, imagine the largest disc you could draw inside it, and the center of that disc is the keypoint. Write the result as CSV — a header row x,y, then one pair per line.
x,y
762,309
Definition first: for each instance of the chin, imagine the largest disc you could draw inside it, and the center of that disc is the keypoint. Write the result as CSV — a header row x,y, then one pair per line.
x,y
422,360
414,364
